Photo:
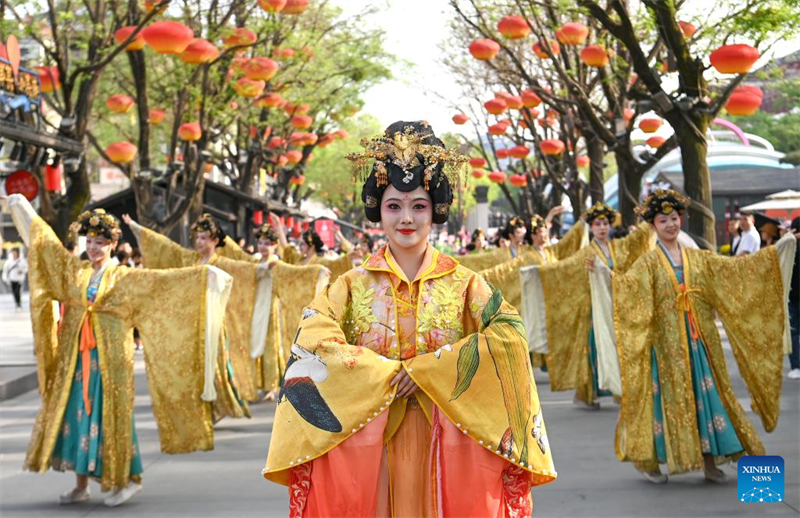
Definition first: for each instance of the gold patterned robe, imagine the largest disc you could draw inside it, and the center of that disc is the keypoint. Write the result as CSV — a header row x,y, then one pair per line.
x,y
160,252
168,308
749,295
337,267
455,337
558,308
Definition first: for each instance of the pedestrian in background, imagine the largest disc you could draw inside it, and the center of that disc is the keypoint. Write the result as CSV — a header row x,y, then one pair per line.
x,y
14,271
749,240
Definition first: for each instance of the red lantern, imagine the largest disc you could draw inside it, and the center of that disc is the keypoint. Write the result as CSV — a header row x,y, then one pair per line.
x,y
519,151
295,6
495,106
199,51
484,49
583,161
283,52
296,109
268,100
326,140
513,27
276,142
503,153
734,59
247,88
190,131
650,125
121,152
628,114
157,116
530,99
340,134
282,161
497,176
572,33
299,138
518,180
478,173
52,177
272,6
241,36
294,157
594,56
460,119
477,162
260,68
655,141
688,29
547,122
301,121
120,103
168,37
551,147
49,79
297,180
514,102
149,5
498,129
22,182
137,43
541,52
745,100
258,217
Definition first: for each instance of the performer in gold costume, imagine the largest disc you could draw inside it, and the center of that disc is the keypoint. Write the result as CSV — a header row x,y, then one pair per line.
x,y
409,391
246,303
678,407
85,361
559,301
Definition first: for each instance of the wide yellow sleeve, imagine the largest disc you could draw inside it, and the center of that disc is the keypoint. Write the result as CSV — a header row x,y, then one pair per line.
x,y
331,389
574,240
505,277
625,251
634,320
174,311
747,293
484,383
159,251
52,274
567,304
232,250
338,266
291,255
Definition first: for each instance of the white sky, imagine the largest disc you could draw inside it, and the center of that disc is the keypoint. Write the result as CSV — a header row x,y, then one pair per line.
x,y
414,30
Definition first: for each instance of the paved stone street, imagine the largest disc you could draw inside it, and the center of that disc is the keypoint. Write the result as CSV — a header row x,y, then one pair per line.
x,y
228,482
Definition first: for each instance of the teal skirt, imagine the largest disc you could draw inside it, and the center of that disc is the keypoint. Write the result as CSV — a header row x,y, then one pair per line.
x,y
717,435
79,446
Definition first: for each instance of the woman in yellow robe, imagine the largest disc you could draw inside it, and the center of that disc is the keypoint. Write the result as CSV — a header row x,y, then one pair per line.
x,y
85,362
560,301
678,407
409,391
246,303
311,250
292,288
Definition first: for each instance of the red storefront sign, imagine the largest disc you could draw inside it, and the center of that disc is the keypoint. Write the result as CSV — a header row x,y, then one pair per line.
x,y
24,183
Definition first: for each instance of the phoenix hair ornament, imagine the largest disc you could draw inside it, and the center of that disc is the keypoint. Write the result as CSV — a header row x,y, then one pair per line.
x,y
601,211
97,222
662,201
408,155
266,231
537,222
207,223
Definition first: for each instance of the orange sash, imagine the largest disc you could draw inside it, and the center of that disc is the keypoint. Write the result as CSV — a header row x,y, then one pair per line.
x,y
87,343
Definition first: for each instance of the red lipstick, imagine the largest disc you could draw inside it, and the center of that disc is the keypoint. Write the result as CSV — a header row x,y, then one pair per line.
x,y
406,231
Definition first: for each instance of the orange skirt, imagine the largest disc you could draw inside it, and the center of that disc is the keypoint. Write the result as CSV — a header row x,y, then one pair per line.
x,y
425,470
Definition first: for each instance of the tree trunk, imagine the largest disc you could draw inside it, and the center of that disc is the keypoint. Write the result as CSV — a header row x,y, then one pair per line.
x,y
629,176
596,151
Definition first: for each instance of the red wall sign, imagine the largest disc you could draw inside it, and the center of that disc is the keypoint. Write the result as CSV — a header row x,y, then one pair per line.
x,y
24,183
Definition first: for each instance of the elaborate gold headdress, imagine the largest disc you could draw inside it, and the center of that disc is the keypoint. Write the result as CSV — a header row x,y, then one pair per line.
x,y
601,211
662,201
207,223
97,222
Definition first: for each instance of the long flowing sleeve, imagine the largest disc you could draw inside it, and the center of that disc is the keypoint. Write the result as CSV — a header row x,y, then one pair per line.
x,y
608,373
52,273
576,238
627,250
482,260
506,277
178,313
749,294
634,318
290,255
338,266
232,250
159,251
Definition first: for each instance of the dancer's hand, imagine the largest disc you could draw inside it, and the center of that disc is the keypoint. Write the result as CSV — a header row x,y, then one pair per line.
x,y
405,385
127,219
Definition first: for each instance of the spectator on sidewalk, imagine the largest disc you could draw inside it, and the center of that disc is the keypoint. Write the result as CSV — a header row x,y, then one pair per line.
x,y
749,240
14,271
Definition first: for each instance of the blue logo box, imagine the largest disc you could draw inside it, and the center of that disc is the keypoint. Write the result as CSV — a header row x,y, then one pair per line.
x,y
760,479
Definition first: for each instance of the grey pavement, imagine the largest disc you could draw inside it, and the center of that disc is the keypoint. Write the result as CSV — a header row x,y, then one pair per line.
x,y
17,360
228,482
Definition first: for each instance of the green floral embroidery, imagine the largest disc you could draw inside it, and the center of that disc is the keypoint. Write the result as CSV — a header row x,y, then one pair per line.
x,y
358,315
444,312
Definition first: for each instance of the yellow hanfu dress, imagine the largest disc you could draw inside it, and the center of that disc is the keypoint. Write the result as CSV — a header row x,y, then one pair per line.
x,y
293,288
160,252
657,320
470,442
178,313
558,304
337,267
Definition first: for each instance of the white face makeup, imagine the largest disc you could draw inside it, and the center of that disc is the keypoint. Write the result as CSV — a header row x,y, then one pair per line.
x,y
406,217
